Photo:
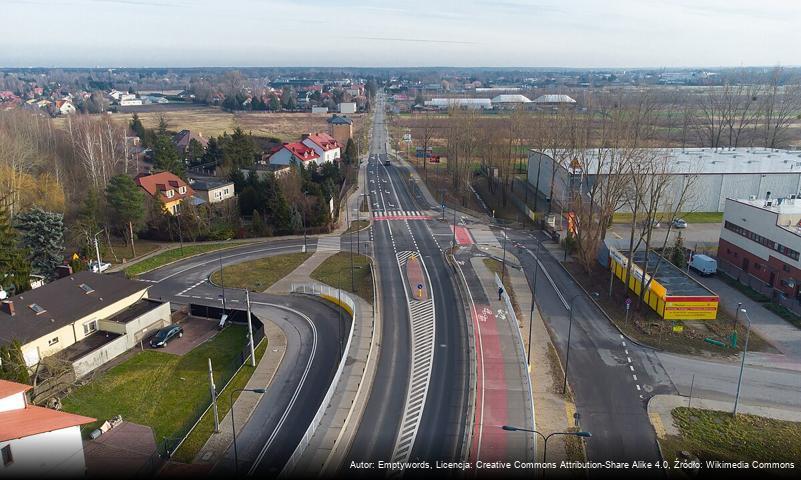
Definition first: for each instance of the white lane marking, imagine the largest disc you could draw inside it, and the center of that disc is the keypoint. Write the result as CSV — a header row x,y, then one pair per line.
x,y
638,388
626,350
631,367
550,280
624,344
629,359
283,418
635,377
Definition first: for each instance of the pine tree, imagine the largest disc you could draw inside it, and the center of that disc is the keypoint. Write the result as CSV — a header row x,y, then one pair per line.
x,y
12,366
275,104
137,127
350,152
43,236
166,157
257,227
678,256
127,202
163,125
15,269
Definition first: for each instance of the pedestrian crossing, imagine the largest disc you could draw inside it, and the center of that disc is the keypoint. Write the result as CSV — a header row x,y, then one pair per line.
x,y
398,213
329,244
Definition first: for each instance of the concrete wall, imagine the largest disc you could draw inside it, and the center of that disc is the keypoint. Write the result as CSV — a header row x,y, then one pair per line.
x,y
96,358
51,454
12,402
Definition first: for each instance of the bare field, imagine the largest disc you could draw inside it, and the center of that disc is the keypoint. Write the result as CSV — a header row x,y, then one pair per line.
x,y
210,121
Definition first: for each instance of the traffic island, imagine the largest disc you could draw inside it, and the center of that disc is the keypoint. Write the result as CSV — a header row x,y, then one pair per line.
x,y
259,275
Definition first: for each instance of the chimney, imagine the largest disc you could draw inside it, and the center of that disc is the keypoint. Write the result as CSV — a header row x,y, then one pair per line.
x,y
7,306
305,136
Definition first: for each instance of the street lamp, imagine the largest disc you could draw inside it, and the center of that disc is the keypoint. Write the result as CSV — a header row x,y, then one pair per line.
x,y
582,434
222,282
533,300
742,362
569,331
233,427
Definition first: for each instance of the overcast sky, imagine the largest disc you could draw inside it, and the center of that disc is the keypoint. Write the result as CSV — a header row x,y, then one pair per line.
x,y
505,33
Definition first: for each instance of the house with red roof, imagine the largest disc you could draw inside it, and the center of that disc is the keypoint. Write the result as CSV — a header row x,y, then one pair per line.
x,y
37,441
166,187
295,152
323,145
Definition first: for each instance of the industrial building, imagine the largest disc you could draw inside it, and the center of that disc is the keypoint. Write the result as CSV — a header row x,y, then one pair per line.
x,y
716,174
760,241
468,103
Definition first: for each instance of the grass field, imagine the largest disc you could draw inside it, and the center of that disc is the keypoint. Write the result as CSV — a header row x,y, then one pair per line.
x,y
122,251
172,255
166,392
712,435
205,428
210,121
259,275
335,271
690,217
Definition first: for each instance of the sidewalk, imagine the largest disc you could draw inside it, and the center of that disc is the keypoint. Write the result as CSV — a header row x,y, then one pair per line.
x,y
553,412
218,443
301,274
660,406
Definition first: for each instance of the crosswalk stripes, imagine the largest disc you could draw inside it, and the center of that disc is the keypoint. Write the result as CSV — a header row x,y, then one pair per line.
x,y
329,244
398,213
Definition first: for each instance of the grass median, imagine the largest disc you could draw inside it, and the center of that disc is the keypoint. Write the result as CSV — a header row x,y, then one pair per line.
x,y
713,435
259,275
166,392
335,271
172,255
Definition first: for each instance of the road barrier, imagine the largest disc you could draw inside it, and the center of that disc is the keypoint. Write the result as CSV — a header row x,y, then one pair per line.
x,y
344,300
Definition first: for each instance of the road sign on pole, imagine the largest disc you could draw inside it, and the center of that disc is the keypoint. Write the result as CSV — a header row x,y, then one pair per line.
x,y
628,306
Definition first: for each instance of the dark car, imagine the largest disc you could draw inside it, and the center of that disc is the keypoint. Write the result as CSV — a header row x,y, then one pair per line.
x,y
163,336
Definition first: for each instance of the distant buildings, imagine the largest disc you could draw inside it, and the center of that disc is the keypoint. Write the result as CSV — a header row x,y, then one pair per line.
x,y
467,103
554,100
64,107
347,107
38,442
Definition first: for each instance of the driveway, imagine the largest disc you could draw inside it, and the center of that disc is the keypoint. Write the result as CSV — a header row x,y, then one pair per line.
x,y
196,331
780,333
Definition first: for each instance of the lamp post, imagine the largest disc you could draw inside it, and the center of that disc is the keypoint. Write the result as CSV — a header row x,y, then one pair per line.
x,y
233,426
503,260
742,362
222,282
582,434
97,251
569,332
533,299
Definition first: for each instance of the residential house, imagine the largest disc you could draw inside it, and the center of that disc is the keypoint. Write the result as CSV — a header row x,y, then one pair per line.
x,y
184,137
341,128
294,152
64,107
129,100
86,318
213,191
166,187
37,441
323,145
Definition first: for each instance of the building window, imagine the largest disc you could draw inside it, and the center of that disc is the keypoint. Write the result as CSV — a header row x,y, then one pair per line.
x,y
170,193
181,190
786,267
52,341
8,457
90,327
755,237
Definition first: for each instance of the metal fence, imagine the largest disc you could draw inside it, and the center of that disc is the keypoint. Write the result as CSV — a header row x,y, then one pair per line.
x,y
343,299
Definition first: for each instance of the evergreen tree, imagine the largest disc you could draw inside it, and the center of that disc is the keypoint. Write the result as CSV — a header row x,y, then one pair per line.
x,y
15,269
137,127
239,151
195,152
12,363
678,256
350,152
214,153
275,104
257,226
166,157
162,130
127,205
43,236
296,220
282,216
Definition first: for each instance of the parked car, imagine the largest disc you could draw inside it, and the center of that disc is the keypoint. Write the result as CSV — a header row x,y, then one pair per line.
x,y
703,264
223,322
679,223
163,336
93,266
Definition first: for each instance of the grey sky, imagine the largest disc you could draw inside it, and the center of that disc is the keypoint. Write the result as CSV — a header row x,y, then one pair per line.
x,y
561,33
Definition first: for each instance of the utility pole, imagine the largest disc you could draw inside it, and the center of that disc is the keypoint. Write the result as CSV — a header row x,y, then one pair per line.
x,y
222,282
213,391
250,331
503,261
97,250
347,219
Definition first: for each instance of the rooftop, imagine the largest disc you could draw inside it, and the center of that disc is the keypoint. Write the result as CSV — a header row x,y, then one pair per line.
x,y
551,98
782,206
676,282
158,183
33,420
340,120
11,388
206,185
511,99
135,311
699,161
59,303
87,345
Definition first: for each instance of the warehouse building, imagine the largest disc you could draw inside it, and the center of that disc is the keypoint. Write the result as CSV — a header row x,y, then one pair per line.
x,y
467,103
716,174
760,243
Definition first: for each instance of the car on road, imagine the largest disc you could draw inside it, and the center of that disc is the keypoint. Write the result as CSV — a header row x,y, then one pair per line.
x,y
679,223
703,264
163,336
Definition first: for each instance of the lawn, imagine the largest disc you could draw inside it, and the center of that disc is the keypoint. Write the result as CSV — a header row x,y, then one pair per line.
x,y
357,225
259,275
713,435
204,429
335,271
690,217
166,392
172,255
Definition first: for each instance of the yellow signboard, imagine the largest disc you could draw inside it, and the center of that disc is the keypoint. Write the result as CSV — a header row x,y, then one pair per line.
x,y
690,311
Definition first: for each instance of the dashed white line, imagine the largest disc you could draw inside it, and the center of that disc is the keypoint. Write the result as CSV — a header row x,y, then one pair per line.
x,y
631,367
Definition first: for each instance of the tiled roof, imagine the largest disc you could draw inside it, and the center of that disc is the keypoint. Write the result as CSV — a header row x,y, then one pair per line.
x,y
158,183
340,120
301,151
324,140
182,139
33,420
10,388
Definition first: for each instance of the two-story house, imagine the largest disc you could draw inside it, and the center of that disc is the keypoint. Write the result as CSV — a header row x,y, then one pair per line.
x,y
296,152
323,145
167,188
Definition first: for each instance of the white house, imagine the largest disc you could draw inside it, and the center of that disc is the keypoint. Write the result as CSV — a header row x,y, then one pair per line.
x,y
347,107
65,107
129,99
36,441
293,152
213,191
323,145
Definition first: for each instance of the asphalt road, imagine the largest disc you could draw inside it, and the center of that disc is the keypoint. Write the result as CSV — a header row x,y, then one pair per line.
x,y
284,412
441,426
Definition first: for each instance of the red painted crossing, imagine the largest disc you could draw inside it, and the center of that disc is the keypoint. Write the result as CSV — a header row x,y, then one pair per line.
x,y
463,236
403,217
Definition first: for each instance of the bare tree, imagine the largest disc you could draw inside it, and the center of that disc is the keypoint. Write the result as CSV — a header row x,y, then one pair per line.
x,y
781,103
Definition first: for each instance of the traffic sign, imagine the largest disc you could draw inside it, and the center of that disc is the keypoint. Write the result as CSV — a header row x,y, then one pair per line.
x,y
419,286
628,301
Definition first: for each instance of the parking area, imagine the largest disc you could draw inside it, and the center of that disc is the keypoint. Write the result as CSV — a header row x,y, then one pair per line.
x,y
196,331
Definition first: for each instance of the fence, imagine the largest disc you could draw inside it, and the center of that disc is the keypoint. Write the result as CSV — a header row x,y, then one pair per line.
x,y
759,286
344,300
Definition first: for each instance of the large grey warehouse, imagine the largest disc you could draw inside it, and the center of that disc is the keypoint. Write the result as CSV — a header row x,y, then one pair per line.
x,y
716,174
